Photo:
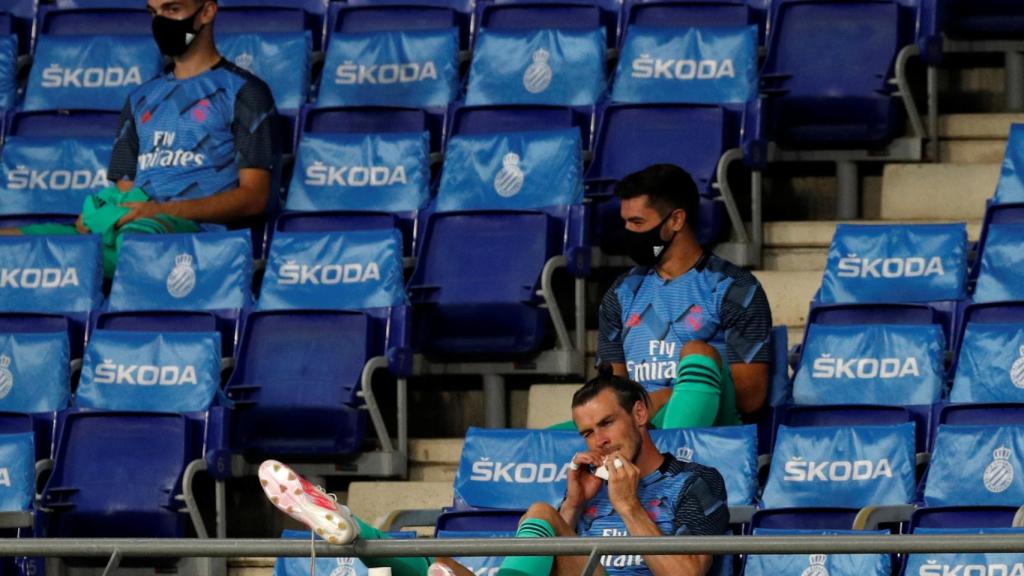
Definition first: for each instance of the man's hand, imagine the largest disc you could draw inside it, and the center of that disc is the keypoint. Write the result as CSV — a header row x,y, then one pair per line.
x,y
622,484
581,486
81,227
137,210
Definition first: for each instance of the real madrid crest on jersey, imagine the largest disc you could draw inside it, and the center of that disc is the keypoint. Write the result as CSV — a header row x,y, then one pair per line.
x,y
182,278
537,77
999,474
817,567
6,377
1017,370
344,567
509,180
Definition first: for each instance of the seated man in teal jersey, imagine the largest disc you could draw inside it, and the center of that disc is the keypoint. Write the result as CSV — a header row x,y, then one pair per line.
x,y
691,327
641,492
194,150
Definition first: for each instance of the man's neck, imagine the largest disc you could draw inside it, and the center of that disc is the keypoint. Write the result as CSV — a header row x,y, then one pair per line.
x,y
650,459
196,60
682,255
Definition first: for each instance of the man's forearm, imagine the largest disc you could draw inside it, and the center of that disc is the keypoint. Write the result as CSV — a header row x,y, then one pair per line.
x,y
571,514
638,523
222,208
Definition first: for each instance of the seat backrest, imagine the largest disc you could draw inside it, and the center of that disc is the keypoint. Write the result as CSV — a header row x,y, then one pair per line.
x,y
688,13
18,471
65,123
841,465
550,66
547,15
817,564
361,172
715,65
974,465
150,371
281,59
8,71
999,279
50,273
208,271
926,564
512,171
355,270
491,119
416,68
732,450
864,47
93,72
52,175
899,364
990,364
1010,188
34,371
895,263
88,494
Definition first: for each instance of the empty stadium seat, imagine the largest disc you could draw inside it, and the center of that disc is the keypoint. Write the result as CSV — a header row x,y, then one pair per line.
x,y
488,119
844,99
563,14
99,17
516,198
988,366
998,277
329,304
695,13
868,564
961,20
52,174
273,16
34,371
401,15
821,477
281,59
950,563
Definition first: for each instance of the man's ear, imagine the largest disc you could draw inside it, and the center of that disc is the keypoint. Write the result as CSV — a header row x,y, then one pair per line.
x,y
641,414
679,219
209,11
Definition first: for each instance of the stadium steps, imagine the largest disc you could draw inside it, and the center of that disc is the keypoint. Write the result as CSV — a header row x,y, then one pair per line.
x,y
434,459
975,138
250,567
374,501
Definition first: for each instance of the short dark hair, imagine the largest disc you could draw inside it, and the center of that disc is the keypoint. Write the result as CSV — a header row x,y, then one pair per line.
x,y
668,187
627,391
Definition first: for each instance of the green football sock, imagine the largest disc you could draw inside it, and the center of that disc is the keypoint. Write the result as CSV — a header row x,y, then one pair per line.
x,y
696,393
410,566
530,565
567,425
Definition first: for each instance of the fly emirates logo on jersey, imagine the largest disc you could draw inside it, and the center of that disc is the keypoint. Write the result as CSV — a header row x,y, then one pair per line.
x,y
163,154
658,365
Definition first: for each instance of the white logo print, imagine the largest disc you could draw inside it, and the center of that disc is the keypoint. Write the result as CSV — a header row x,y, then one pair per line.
x,y
999,474
509,180
245,61
684,454
538,75
817,567
6,377
1017,371
344,568
182,278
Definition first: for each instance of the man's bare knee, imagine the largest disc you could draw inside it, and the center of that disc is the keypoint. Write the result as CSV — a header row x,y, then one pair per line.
x,y
701,348
544,511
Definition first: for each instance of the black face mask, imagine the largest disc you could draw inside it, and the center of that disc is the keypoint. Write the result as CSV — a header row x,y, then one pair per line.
x,y
173,37
646,248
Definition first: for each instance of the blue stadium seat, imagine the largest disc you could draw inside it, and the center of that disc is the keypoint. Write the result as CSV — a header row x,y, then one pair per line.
x,y
815,468
262,16
511,216
561,14
71,18
810,105
52,174
962,20
695,13
372,120
796,416
21,15
304,352
952,563
64,123
91,492
866,564
35,374
998,258
986,363
488,119
393,15
282,59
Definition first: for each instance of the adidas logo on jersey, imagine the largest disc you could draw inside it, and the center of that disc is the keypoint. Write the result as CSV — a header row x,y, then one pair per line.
x,y
933,568
825,366
356,176
291,273
56,76
23,177
31,278
852,266
800,470
144,374
646,67
484,470
404,73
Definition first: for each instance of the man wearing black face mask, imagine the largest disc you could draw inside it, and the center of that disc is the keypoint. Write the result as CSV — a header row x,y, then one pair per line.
x,y
194,149
689,326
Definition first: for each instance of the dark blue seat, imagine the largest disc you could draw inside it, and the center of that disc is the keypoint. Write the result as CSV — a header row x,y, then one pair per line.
x,y
963,20
808,104
53,174
860,415
562,14
64,123
255,16
372,120
392,15
132,491
22,16
631,137
73,19
695,13
488,119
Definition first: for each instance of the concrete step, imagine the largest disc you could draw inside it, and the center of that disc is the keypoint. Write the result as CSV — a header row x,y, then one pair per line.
x,y
250,566
937,191
977,126
972,151
549,404
789,293
818,233
795,259
375,501
434,459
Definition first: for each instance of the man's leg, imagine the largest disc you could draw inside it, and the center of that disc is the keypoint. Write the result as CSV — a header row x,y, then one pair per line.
x,y
410,566
543,521
696,390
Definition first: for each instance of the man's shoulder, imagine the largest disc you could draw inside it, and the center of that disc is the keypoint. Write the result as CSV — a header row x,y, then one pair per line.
x,y
630,279
244,81
710,478
729,271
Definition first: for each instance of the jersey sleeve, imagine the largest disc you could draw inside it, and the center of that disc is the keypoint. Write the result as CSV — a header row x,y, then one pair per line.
x,y
125,155
609,333
747,320
701,508
253,125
